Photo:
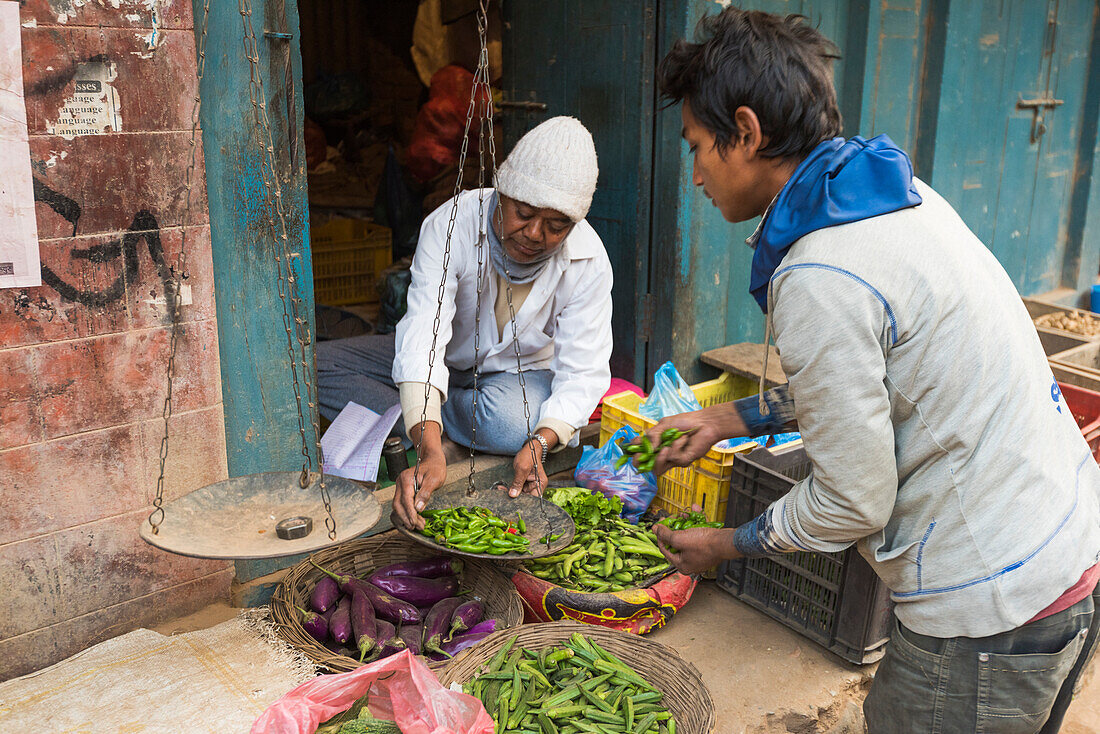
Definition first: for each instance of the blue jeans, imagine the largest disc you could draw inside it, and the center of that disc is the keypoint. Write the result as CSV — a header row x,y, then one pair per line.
x,y
360,369
1016,682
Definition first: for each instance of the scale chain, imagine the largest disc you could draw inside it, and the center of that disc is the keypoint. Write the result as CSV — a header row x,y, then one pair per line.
x,y
446,265
294,324
481,81
156,517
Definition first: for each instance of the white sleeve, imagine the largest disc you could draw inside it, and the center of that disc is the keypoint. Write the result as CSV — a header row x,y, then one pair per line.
x,y
414,332
582,349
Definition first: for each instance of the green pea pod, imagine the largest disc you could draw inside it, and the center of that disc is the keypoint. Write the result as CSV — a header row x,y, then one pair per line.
x,y
622,461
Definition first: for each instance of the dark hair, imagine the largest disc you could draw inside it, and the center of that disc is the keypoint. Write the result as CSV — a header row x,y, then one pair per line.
x,y
779,67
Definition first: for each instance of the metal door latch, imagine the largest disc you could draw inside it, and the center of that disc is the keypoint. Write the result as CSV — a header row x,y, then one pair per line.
x,y
1037,106
526,106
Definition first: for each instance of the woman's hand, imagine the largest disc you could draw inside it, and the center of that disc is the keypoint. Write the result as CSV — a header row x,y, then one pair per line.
x,y
530,477
415,485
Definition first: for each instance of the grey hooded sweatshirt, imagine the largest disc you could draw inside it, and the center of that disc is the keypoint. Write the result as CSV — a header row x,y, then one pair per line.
x,y
938,436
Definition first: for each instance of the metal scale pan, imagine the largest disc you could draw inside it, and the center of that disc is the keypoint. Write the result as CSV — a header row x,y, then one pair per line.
x,y
237,518
541,516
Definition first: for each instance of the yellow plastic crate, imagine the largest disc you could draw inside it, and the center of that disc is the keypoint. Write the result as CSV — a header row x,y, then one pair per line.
x,y
349,255
707,481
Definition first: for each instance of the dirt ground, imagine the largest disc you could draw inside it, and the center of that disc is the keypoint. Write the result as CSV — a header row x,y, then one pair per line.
x,y
763,678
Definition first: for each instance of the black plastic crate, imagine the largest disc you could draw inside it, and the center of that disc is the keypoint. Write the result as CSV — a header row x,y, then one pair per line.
x,y
834,599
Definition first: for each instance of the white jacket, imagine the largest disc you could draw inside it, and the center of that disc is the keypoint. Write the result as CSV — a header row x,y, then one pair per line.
x,y
564,325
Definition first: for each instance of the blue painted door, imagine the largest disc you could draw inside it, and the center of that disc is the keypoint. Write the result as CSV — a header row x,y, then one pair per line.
x,y
593,60
1009,128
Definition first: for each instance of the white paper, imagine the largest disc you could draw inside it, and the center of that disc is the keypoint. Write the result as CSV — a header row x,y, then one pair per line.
x,y
353,443
20,266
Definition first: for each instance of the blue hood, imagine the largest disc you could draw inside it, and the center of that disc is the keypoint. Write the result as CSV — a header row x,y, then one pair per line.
x,y
841,181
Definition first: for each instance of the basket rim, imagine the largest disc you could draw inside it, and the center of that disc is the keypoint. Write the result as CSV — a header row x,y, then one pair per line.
x,y
553,633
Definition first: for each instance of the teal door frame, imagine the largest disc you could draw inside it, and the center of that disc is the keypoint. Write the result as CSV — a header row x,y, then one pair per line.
x,y
261,418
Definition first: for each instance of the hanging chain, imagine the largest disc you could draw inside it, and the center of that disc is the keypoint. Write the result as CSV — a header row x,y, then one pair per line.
x,y
293,321
173,299
481,81
447,260
482,30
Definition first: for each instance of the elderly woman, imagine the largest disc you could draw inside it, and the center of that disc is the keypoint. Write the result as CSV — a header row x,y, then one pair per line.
x,y
541,261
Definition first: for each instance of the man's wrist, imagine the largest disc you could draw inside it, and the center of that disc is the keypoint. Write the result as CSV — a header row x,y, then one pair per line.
x,y
758,538
541,444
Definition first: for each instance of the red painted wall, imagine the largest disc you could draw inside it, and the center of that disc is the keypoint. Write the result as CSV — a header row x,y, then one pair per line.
x,y
83,358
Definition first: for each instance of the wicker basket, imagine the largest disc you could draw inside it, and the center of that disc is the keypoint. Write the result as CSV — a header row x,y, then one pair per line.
x,y
360,558
686,696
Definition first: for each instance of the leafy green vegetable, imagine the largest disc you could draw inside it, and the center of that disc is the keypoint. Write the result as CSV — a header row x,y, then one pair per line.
x,y
586,507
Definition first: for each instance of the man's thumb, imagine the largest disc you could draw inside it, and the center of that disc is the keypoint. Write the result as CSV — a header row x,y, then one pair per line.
x,y
662,532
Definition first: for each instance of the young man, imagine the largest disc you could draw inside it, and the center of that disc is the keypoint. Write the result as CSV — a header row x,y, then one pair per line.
x,y
541,261
938,437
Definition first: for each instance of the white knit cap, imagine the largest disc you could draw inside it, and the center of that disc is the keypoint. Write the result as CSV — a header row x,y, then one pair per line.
x,y
553,166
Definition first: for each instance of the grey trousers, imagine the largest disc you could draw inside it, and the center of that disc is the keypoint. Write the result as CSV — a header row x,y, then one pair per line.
x,y
1016,682
359,369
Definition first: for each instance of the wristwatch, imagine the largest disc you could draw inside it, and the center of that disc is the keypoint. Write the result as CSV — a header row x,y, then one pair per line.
x,y
545,446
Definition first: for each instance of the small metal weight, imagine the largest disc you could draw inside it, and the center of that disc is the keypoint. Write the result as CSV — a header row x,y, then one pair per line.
x,y
293,528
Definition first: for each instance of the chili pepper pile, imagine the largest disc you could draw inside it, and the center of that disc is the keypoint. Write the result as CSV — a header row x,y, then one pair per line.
x,y
476,530
645,452
578,688
610,556
689,520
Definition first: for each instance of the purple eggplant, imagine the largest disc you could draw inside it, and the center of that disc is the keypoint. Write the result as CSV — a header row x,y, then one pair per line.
x,y
315,624
384,605
455,645
465,616
388,639
339,627
325,595
412,635
438,623
363,623
429,568
339,649
487,625
419,591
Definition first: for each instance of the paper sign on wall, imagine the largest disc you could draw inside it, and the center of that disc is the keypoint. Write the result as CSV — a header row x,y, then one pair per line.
x,y
19,260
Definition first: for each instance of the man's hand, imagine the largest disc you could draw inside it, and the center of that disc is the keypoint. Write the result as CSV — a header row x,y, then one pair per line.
x,y
686,449
529,474
414,487
697,549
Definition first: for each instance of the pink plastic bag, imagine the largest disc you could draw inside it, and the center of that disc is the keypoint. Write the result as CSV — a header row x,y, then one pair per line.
x,y
401,688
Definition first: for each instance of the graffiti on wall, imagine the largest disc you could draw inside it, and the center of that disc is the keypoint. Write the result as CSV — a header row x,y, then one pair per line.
x,y
144,229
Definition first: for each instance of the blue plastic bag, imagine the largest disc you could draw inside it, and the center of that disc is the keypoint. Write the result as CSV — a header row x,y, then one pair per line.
x,y
781,438
732,443
671,395
596,470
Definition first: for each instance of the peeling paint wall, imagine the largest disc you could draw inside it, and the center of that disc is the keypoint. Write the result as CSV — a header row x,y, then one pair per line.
x,y
109,89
